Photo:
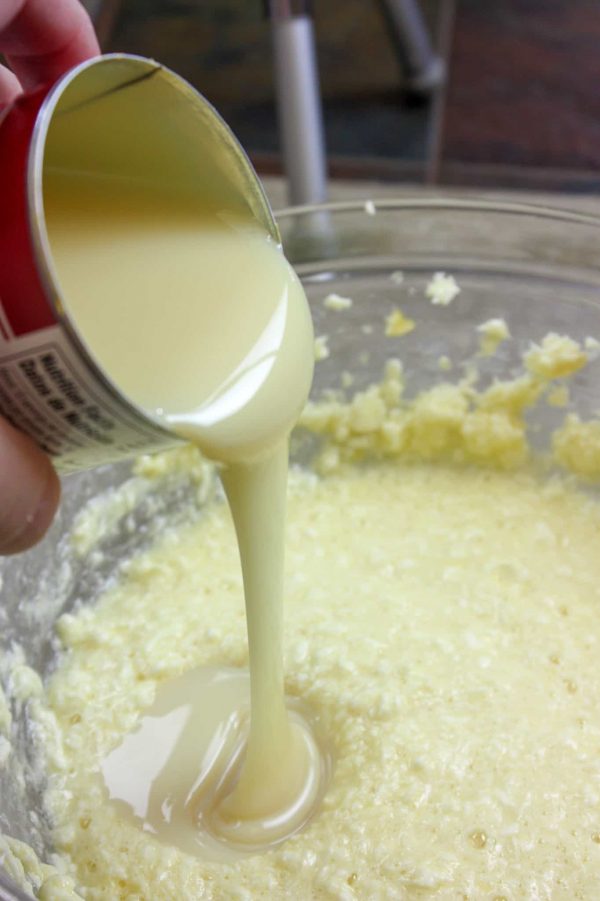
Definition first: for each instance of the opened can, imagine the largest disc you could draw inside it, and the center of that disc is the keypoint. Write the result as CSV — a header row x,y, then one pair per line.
x,y
129,115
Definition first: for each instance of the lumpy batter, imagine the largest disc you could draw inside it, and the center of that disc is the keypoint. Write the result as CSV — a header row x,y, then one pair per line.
x,y
441,625
441,611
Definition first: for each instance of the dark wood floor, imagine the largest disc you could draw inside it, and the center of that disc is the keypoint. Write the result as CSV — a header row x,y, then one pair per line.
x,y
521,106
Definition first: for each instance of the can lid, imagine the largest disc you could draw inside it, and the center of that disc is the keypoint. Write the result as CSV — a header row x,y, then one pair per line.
x,y
131,118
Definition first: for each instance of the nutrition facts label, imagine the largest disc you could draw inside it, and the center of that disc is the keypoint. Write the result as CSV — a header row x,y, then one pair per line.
x,y
48,392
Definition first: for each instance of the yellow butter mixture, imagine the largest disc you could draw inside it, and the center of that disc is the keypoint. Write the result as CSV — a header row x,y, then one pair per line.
x,y
440,624
442,600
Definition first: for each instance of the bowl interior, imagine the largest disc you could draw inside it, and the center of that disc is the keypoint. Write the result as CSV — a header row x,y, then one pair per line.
x,y
538,269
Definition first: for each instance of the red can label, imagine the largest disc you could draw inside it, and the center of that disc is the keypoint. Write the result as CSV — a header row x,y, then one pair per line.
x,y
47,391
47,388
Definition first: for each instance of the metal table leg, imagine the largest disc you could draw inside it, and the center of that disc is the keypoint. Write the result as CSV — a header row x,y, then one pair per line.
x,y
424,69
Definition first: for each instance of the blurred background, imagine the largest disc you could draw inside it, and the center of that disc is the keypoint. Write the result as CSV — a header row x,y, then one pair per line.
x,y
519,107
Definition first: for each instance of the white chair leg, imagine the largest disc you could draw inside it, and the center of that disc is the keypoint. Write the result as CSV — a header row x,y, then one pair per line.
x,y
299,106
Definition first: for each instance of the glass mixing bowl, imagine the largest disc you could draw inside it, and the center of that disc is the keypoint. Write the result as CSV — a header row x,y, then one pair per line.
x,y
537,267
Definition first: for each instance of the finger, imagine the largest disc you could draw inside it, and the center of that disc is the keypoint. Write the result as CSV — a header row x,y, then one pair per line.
x,y
29,491
42,39
9,86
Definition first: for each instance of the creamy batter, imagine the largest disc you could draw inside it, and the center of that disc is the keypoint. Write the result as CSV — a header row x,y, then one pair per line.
x,y
441,628
453,667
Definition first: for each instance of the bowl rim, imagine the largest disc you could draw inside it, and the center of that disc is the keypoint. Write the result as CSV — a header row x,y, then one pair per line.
x,y
447,203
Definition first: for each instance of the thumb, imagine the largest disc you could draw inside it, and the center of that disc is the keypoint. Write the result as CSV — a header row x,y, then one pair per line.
x,y
29,491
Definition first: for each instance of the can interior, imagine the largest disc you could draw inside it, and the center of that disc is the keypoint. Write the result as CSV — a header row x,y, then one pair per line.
x,y
131,118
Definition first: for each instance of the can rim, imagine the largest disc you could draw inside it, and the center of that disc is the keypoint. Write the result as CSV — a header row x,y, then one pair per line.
x,y
37,220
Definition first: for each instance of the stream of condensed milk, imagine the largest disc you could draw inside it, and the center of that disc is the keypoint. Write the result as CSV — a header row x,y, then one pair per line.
x,y
197,318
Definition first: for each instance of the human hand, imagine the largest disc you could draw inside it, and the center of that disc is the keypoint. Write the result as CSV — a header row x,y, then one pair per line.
x,y
40,39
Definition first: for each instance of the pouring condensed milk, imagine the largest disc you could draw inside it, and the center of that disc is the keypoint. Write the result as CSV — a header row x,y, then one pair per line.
x,y
163,261
225,358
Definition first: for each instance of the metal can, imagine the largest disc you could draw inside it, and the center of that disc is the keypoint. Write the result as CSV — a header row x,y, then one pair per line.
x,y
123,112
